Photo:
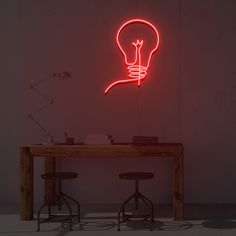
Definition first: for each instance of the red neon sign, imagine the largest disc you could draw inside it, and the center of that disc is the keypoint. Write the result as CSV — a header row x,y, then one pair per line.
x,y
136,69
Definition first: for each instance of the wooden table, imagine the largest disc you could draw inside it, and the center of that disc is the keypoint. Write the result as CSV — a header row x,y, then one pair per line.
x,y
51,152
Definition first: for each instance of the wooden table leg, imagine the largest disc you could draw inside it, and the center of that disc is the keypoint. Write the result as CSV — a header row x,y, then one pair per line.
x,y
49,185
26,184
178,196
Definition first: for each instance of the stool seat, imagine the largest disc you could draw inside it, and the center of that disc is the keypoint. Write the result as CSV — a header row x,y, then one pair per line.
x,y
136,175
59,175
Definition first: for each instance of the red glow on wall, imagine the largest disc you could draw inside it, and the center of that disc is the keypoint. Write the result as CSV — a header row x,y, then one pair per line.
x,y
137,69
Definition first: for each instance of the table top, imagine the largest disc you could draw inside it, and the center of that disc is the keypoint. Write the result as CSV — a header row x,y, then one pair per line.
x,y
100,150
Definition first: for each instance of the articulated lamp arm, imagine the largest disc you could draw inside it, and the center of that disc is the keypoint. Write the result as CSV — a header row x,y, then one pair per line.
x,y
33,87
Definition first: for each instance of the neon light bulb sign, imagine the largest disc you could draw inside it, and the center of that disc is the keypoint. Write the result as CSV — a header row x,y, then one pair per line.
x,y
137,69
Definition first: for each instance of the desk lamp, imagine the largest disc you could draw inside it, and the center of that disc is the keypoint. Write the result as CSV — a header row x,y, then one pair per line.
x,y
49,101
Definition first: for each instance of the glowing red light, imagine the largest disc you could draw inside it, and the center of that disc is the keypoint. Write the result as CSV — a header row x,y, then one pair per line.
x,y
137,70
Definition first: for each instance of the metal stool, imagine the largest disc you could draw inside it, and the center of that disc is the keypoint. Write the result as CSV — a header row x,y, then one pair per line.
x,y
122,216
60,197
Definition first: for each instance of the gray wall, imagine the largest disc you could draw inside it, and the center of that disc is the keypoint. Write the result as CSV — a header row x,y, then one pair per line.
x,y
188,96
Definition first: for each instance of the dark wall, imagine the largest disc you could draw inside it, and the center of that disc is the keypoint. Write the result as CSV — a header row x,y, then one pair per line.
x,y
187,97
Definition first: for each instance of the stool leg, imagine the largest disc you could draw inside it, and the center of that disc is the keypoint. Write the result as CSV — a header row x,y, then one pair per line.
x,y
136,194
125,203
70,211
38,222
151,206
136,202
59,195
149,203
77,203
122,209
118,225
49,211
38,216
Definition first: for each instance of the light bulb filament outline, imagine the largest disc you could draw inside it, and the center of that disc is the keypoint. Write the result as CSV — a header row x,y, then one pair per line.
x,y
137,72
